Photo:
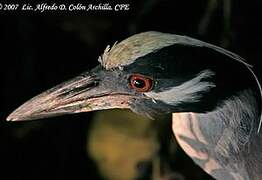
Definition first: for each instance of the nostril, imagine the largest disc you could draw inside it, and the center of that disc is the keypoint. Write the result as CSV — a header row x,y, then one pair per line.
x,y
88,85
91,85
74,91
95,83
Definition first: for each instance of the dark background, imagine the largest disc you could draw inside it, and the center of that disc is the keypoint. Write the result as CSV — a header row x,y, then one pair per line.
x,y
40,50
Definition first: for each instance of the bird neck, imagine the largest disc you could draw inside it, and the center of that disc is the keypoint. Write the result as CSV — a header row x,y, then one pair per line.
x,y
224,140
237,120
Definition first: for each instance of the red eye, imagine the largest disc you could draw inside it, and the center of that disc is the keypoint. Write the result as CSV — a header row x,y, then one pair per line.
x,y
141,83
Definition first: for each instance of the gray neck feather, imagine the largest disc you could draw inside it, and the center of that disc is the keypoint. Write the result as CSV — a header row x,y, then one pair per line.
x,y
238,116
231,132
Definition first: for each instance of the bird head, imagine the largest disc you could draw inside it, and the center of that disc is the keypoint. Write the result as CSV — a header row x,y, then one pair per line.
x,y
150,73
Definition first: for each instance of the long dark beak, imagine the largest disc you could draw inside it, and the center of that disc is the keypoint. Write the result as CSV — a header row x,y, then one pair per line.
x,y
81,94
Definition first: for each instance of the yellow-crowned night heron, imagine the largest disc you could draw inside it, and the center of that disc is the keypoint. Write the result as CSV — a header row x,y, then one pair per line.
x,y
213,94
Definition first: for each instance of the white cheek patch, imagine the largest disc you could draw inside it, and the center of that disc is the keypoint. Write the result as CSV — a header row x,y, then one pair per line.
x,y
189,91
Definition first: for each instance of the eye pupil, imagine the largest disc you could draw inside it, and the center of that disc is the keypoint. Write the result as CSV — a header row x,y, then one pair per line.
x,y
139,83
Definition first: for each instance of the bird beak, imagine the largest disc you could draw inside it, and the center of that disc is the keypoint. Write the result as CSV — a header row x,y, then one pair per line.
x,y
81,94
